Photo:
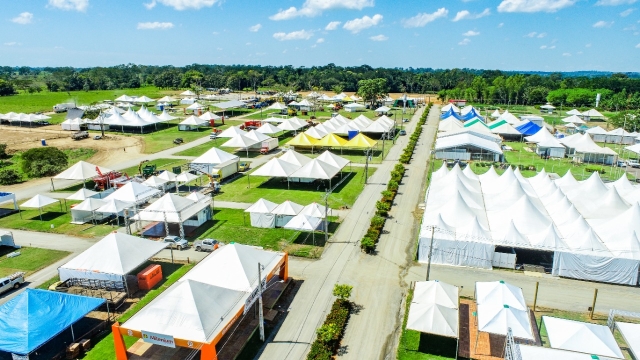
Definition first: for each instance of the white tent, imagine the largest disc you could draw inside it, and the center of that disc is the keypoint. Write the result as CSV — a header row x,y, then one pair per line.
x,y
378,127
495,114
295,158
316,169
288,208
38,202
574,119
187,93
143,99
436,292
192,122
260,214
530,352
276,106
382,109
240,141
288,125
89,204
314,209
133,192
195,106
276,167
80,171
85,211
214,156
81,194
302,222
500,292
209,116
574,112
581,337
316,132
433,318
592,113
450,124
496,318
353,107
72,124
631,334
258,136
111,258
113,206
333,159
184,177
173,208
510,118
125,98
448,107
167,99
155,182
268,128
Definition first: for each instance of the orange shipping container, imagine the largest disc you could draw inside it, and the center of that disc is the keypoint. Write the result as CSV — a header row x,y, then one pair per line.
x,y
149,277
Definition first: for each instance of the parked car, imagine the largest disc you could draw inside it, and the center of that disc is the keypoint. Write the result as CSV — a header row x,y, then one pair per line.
x,y
206,244
621,163
244,166
12,281
402,133
176,242
178,141
405,120
633,163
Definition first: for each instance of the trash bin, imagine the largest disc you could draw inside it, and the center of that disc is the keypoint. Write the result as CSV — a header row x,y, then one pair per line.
x,y
177,170
44,142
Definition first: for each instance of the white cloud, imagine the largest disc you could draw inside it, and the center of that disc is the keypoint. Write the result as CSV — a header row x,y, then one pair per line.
x,y
294,35
155,25
547,47
603,24
637,46
626,12
150,5
255,27
471,33
12,43
23,19
320,41
464,42
467,15
531,6
500,25
379,38
423,19
588,46
312,8
332,25
359,24
543,47
566,54
77,5
614,2
188,4
531,34
541,35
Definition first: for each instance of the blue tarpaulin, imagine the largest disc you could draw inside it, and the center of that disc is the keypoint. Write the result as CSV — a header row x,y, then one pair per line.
x,y
34,317
528,129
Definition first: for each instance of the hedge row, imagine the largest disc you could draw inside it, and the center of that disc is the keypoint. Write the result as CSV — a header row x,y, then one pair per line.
x,y
405,158
323,348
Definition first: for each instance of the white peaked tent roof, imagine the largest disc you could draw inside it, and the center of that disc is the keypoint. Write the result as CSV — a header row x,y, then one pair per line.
x,y
633,148
116,253
195,121
525,215
288,125
435,292
167,99
185,177
597,130
567,181
450,124
618,132
440,173
531,352
113,206
455,213
433,319
354,106
544,139
378,127
38,201
449,107
81,194
80,171
89,204
240,141
620,226
592,113
209,116
574,112
363,120
467,109
549,239
581,337
386,119
305,102
195,106
276,167
188,93
316,169
315,133
509,117
611,204
497,319
333,159
463,139
276,106
232,132
500,292
344,129
573,119
165,116
154,181
297,120
268,128
189,310
302,222
627,247
133,192
491,174
197,197
258,136
235,267
288,208
495,114
314,209
514,238
173,208
262,206
125,98
168,175
439,195
476,232
469,173
143,99
631,334
505,129
295,158
383,109
588,243
214,156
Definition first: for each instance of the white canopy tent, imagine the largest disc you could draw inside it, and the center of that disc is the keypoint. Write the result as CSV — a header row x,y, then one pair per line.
x,y
111,258
574,112
81,171
573,119
268,128
498,319
192,123
85,211
631,334
260,214
213,157
285,212
581,337
82,194
133,192
38,202
529,352
231,132
434,309
587,115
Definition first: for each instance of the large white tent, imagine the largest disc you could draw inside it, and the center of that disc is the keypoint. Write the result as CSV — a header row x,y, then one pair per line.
x,y
173,208
81,170
434,309
260,214
581,337
212,158
111,258
133,192
546,144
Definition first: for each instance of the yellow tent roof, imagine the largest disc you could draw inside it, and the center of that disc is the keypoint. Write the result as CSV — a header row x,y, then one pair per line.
x,y
331,140
361,141
346,98
302,139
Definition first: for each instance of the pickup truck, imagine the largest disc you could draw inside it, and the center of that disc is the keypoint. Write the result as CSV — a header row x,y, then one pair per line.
x,y
12,281
206,245
80,135
633,163
176,242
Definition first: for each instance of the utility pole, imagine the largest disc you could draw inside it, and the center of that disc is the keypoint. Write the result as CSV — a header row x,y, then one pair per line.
x,y
366,166
260,316
326,221
433,229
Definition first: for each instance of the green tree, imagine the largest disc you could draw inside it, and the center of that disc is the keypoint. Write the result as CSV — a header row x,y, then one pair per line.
x,y
43,161
342,291
9,177
328,332
372,89
6,88
337,89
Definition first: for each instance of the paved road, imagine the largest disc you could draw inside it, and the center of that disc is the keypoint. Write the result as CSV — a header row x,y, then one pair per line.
x,y
314,298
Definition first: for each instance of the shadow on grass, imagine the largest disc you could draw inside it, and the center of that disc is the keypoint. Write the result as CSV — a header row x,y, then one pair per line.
x,y
48,216
437,345
317,185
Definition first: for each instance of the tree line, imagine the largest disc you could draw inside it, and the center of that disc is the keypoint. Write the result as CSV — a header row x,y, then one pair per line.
x,y
619,90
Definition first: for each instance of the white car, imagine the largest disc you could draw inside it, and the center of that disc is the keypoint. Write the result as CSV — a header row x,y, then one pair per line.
x,y
176,242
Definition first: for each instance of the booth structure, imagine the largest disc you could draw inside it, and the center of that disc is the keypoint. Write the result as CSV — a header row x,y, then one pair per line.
x,y
172,208
581,337
201,308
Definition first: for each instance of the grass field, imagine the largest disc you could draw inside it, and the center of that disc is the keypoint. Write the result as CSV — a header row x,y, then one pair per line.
x,y
163,139
55,221
234,225
31,259
273,189
74,155
104,348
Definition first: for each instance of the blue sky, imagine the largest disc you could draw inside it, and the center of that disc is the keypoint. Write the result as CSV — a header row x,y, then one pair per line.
x,y
545,35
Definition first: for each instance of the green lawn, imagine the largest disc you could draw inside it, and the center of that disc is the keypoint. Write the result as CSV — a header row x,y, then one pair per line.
x,y
274,189
31,259
234,225
417,346
74,155
55,220
104,348
161,164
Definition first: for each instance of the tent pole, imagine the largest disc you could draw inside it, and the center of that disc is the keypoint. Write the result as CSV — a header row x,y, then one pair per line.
x,y
73,336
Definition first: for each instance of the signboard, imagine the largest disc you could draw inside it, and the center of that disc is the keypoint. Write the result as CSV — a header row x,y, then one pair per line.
x,y
254,296
158,339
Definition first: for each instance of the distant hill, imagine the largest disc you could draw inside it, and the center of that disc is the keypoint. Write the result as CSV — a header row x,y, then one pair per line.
x,y
584,73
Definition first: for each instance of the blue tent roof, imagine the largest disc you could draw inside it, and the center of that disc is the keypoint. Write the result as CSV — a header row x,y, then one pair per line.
x,y
34,317
449,114
471,115
528,128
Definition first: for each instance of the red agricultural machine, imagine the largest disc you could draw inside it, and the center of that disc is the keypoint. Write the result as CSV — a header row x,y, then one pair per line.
x,y
251,125
110,179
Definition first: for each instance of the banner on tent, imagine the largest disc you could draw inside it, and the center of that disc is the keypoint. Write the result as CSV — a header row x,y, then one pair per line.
x,y
254,296
158,339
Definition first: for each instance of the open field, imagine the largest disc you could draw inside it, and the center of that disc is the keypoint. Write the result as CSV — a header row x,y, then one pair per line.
x,y
31,259
274,189
54,220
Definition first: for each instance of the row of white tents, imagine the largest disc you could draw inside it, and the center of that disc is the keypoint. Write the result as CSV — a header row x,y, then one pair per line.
x,y
21,117
591,227
290,215
299,168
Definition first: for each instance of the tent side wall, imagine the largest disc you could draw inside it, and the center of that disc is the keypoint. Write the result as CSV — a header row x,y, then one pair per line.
x,y
66,274
596,268
456,253
260,220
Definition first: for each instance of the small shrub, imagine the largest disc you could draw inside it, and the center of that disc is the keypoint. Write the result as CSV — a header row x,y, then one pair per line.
x,y
393,185
377,222
328,332
387,195
381,205
373,234
9,177
367,245
319,351
342,291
